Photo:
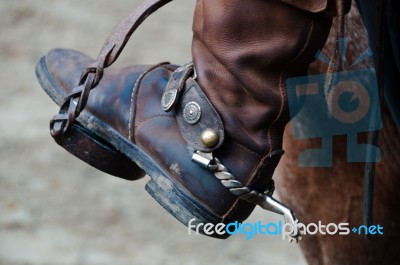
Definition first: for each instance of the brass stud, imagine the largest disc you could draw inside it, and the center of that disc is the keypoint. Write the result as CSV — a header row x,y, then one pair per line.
x,y
209,138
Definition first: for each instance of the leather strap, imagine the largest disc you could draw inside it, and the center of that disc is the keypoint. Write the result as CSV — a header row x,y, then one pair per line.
x,y
75,102
123,31
373,137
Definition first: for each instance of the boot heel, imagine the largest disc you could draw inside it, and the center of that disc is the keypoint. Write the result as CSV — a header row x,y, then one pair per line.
x,y
180,205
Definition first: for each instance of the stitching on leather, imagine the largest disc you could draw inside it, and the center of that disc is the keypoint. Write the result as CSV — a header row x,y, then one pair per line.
x,y
282,92
253,175
133,93
153,117
282,84
244,147
134,89
168,68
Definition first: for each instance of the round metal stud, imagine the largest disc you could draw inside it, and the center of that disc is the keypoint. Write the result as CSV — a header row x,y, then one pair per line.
x,y
192,112
209,138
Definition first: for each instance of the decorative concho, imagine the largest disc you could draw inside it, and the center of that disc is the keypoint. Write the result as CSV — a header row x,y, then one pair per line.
x,y
192,112
169,99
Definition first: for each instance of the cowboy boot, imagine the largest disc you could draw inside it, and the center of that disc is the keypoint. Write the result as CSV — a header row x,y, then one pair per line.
x,y
209,133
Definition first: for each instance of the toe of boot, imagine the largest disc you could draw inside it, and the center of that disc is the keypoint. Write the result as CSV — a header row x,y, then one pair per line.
x,y
59,72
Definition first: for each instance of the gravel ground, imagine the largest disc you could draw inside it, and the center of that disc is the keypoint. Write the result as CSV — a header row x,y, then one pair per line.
x,y
55,209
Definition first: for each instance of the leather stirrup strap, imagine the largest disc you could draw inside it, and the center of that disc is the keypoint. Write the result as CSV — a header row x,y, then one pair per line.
x,y
335,65
373,137
369,170
123,31
92,75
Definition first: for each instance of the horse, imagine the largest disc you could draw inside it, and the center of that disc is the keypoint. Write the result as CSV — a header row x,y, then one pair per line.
x,y
334,194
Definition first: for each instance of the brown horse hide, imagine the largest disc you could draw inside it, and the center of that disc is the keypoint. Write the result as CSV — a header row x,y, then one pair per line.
x,y
334,194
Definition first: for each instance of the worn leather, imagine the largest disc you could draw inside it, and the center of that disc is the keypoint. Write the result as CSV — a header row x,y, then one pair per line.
x,y
328,7
209,118
118,38
243,51
153,130
183,91
308,5
243,57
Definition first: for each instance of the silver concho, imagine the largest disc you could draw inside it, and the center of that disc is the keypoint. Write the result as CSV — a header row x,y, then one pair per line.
x,y
192,112
169,99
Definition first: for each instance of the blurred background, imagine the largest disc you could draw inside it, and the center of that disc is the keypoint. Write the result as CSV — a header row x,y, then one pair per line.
x,y
55,209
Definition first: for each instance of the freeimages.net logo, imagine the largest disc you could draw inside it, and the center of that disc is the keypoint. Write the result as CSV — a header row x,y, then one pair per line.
x,y
284,230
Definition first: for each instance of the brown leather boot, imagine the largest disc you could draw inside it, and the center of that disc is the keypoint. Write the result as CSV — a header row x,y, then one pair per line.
x,y
209,134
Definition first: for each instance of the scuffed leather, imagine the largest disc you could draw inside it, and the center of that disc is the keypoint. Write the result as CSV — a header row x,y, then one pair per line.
x,y
328,7
157,132
118,38
209,118
313,6
243,52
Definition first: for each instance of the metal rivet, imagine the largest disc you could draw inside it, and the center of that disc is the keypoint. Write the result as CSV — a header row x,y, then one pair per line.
x,y
209,138
192,112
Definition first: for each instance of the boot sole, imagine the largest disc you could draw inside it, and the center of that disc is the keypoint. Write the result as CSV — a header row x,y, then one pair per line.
x,y
169,194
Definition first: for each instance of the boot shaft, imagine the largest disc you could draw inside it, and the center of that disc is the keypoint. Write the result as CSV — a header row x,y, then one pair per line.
x,y
243,51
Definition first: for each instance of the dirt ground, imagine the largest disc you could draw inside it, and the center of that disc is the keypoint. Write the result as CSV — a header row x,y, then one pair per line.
x,y
54,209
